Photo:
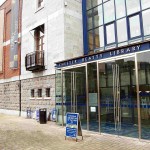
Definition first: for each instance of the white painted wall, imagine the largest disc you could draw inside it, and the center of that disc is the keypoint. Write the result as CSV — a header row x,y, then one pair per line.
x,y
63,32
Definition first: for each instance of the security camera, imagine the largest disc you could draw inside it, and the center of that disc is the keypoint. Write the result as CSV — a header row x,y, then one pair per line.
x,y
16,42
65,3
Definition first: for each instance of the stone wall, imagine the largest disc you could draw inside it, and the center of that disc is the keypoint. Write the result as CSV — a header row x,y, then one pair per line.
x,y
9,95
38,83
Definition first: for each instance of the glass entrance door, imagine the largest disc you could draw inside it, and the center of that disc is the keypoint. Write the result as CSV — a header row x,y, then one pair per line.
x,y
74,93
118,100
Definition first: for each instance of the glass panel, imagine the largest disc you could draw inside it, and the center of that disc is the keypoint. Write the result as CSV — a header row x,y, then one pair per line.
x,y
120,8
122,30
58,97
144,89
96,2
145,4
90,40
98,16
110,32
99,37
134,26
74,92
132,6
90,20
88,4
93,103
146,21
109,13
118,99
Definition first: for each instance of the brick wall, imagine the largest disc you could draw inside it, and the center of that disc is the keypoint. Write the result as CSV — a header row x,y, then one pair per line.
x,y
7,72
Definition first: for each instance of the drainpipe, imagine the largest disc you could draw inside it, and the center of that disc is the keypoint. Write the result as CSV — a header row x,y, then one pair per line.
x,y
20,26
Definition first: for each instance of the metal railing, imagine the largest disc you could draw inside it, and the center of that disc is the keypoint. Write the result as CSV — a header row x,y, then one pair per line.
x,y
34,59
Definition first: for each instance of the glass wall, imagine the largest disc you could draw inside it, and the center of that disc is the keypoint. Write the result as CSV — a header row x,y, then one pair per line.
x,y
144,93
93,99
115,102
126,19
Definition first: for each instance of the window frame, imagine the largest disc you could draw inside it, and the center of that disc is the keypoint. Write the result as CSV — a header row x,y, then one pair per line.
x,y
105,34
140,23
39,93
32,93
47,92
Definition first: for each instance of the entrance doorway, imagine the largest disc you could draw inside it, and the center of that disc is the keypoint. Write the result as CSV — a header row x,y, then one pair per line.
x,y
118,97
74,93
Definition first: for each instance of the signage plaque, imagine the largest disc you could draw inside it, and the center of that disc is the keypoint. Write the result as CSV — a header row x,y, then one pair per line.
x,y
73,125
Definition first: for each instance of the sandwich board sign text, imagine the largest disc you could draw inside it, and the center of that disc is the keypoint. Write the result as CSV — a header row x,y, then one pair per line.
x,y
73,125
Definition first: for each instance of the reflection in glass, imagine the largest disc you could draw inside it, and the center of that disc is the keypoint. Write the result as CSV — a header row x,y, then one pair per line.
x,y
90,40
145,4
134,26
99,37
93,101
74,93
98,16
96,2
58,97
146,21
88,4
89,16
120,8
144,92
109,13
122,30
118,77
132,6
110,32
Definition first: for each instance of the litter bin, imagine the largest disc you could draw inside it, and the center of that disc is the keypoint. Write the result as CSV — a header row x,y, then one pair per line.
x,y
42,115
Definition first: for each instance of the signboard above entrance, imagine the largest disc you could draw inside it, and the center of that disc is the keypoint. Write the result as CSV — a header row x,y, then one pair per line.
x,y
104,54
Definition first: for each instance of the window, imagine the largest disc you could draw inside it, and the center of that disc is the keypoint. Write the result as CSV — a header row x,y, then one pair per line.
x,y
39,92
39,38
146,21
145,4
47,92
109,12
99,37
88,3
122,30
32,93
90,40
120,8
110,33
40,3
90,21
98,16
96,2
132,6
135,29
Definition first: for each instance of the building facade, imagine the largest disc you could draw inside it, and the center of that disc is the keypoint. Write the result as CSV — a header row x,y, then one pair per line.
x,y
48,36
109,85
10,14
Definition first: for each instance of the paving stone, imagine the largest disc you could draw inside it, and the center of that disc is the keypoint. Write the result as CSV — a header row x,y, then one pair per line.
x,y
18,133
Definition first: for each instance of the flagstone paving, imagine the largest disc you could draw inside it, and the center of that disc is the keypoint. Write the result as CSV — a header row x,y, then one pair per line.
x,y
17,133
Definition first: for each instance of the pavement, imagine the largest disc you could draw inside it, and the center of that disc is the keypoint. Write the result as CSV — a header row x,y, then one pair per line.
x,y
17,133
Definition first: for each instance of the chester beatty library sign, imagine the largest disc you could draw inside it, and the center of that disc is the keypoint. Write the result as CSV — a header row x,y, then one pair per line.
x,y
104,54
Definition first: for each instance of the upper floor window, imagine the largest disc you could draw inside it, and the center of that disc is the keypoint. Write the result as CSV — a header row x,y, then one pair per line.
x,y
133,6
135,28
109,11
39,38
40,3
